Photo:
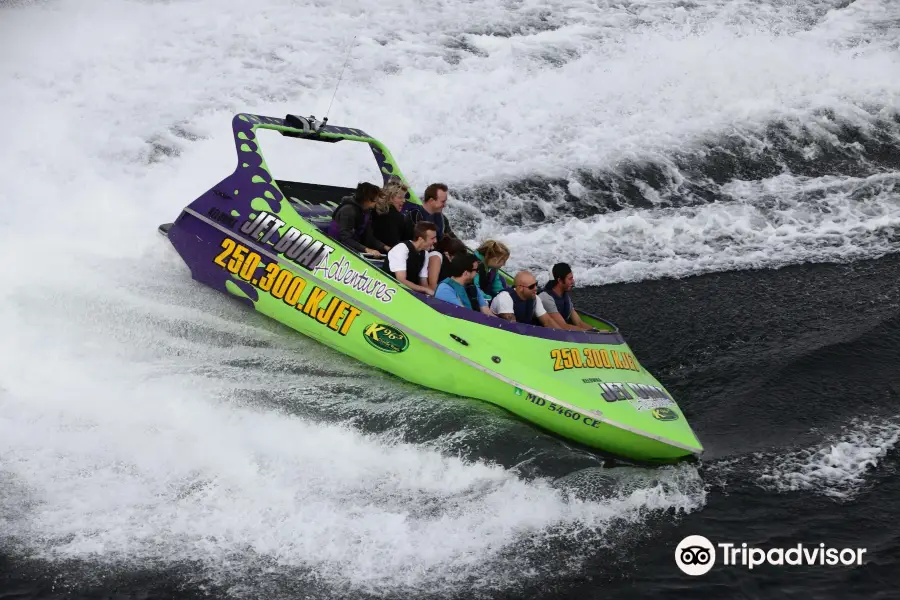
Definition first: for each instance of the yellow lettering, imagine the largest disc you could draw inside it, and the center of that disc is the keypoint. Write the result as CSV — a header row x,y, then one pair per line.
x,y
312,302
617,361
604,357
325,313
335,316
632,363
373,330
349,320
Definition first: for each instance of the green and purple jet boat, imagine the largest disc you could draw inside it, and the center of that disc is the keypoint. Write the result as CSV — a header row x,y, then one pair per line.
x,y
263,241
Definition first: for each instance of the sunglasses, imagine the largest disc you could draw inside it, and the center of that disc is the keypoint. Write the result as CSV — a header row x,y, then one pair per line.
x,y
530,287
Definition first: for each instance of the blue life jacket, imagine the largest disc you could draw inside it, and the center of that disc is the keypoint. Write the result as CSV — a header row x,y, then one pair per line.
x,y
462,294
563,303
522,309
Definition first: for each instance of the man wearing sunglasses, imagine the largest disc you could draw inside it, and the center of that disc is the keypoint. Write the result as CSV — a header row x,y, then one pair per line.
x,y
520,304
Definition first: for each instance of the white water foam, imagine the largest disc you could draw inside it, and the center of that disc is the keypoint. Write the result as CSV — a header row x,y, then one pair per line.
x,y
838,467
122,443
770,223
116,461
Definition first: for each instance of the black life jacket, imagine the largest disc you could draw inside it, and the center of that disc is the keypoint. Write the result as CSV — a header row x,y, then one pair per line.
x,y
414,262
472,293
563,303
522,309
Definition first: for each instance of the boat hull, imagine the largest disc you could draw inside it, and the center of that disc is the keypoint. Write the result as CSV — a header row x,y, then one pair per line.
x,y
246,239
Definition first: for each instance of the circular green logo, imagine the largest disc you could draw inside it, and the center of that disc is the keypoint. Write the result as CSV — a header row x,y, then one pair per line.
x,y
386,338
664,414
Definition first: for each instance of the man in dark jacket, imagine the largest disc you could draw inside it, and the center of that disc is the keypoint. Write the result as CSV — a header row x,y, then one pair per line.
x,y
433,202
351,222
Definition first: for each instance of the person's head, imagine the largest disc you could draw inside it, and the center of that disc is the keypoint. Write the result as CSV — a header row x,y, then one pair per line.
x,y
495,254
366,194
394,193
525,285
424,235
435,197
451,246
563,277
464,267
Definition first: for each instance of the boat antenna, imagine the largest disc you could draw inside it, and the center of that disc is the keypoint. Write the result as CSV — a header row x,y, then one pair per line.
x,y
346,60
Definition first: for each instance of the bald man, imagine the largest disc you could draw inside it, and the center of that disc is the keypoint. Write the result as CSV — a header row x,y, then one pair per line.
x,y
520,304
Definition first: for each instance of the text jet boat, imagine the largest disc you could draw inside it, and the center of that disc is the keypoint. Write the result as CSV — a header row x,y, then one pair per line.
x,y
263,241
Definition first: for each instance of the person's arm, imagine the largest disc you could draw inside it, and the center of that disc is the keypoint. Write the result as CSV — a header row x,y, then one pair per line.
x,y
553,313
483,303
432,268
425,280
546,321
560,323
577,323
543,316
503,307
401,277
347,229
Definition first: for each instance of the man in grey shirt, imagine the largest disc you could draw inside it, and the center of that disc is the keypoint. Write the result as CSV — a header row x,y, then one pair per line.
x,y
557,302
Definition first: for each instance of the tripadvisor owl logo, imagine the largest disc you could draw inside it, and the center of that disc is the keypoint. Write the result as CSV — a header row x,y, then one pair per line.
x,y
695,555
386,338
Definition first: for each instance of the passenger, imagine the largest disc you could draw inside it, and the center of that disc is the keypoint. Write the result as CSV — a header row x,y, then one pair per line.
x,y
351,221
407,260
463,268
520,304
557,302
448,248
433,201
493,255
388,222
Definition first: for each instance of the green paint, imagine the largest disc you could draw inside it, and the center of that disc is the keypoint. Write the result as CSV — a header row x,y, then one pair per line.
x,y
264,166
534,369
260,204
236,192
245,165
234,289
242,135
245,148
258,179
235,213
243,118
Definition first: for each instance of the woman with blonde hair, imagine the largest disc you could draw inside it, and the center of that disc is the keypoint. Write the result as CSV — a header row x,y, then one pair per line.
x,y
492,256
388,222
